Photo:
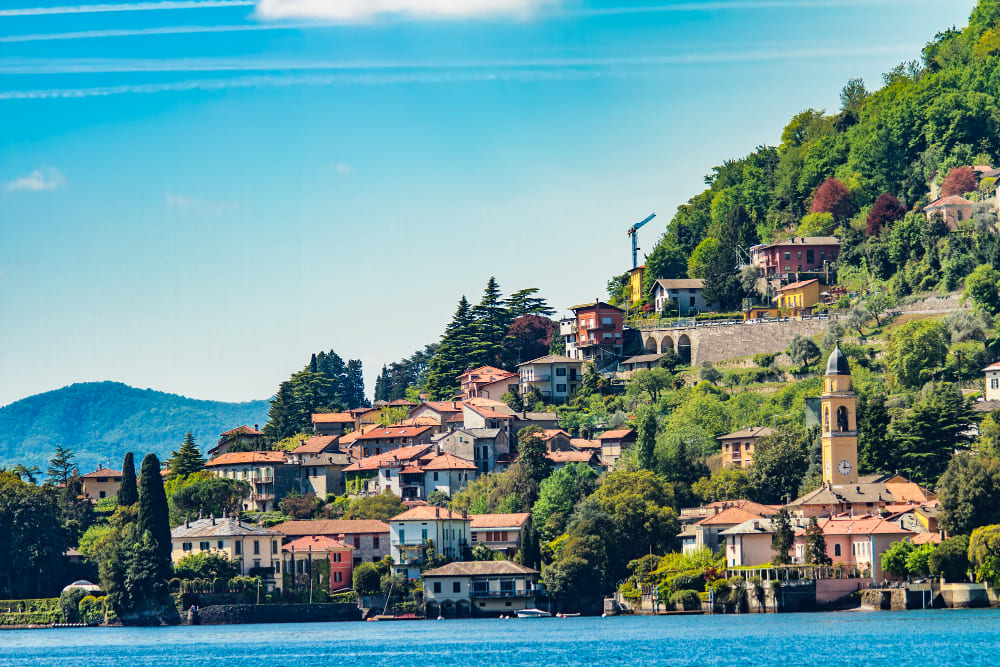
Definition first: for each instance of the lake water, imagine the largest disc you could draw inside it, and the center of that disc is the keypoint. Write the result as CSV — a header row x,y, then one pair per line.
x,y
899,639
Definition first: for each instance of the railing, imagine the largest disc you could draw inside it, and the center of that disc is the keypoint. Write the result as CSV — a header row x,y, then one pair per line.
x,y
537,378
499,594
647,325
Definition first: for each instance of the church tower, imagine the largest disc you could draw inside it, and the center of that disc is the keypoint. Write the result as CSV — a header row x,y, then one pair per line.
x,y
840,422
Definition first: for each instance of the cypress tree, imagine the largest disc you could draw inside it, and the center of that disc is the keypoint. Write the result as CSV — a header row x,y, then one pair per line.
x,y
128,494
783,538
816,544
187,459
646,438
454,354
153,514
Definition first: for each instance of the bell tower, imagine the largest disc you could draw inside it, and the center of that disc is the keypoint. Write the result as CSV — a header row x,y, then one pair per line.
x,y
840,422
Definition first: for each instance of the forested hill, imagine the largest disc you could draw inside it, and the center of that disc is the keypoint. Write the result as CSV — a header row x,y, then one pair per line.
x,y
100,421
854,172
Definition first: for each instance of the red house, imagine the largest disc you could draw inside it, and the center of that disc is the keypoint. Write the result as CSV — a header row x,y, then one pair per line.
x,y
596,332
297,554
796,255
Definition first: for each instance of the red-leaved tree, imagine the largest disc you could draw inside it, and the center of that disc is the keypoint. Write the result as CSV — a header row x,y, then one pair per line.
x,y
886,210
959,181
833,197
528,338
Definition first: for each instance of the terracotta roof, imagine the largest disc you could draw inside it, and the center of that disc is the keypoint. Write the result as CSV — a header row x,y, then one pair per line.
x,y
316,543
411,470
242,430
926,538
427,513
950,200
316,444
549,433
401,402
332,527
236,458
418,421
571,457
102,472
731,516
394,432
596,304
394,458
551,359
869,525
798,285
483,402
332,418
487,374
456,418
442,406
616,434
447,462
753,526
223,527
752,432
805,240
746,505
499,520
883,493
681,283
488,413
581,443
351,438
479,568
909,492
993,367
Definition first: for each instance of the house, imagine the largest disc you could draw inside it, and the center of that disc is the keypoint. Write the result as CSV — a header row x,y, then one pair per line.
x,y
480,416
613,443
737,447
321,465
953,209
685,293
855,542
641,362
555,376
522,420
368,538
258,549
441,411
584,445
563,458
479,588
499,532
269,477
300,556
992,382
749,543
635,277
482,446
705,532
387,438
373,475
410,532
446,473
487,382
859,499
596,333
798,298
240,439
556,440
795,255
332,423
102,483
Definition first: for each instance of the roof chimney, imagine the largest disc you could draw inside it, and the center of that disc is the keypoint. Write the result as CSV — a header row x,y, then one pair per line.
x,y
437,512
255,427
213,518
187,523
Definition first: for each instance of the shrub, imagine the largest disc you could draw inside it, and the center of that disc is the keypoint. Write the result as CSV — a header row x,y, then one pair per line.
x,y
69,604
688,599
950,559
694,581
630,592
366,579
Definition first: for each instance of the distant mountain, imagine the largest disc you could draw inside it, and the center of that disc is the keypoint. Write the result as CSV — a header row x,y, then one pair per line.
x,y
100,421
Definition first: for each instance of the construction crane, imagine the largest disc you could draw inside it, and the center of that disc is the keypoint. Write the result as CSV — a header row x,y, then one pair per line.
x,y
635,239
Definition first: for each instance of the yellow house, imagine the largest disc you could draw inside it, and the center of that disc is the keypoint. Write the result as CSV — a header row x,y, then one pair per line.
x,y
635,284
258,549
799,296
102,483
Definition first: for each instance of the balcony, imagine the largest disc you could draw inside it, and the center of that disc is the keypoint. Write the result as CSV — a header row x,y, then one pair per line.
x,y
262,496
520,593
536,378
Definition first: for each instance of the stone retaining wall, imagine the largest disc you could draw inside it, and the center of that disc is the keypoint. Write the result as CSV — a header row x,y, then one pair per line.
x,y
273,613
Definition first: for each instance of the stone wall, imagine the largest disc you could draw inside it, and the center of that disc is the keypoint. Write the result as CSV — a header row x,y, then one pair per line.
x,y
718,343
273,613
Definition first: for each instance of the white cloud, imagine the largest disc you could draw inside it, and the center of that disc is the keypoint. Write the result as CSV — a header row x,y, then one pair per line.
x,y
186,204
46,178
342,168
125,7
367,10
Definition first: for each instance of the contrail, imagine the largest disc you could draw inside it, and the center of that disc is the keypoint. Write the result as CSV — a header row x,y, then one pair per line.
x,y
126,7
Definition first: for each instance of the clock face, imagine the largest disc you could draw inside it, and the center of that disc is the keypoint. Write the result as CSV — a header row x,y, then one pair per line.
x,y
844,467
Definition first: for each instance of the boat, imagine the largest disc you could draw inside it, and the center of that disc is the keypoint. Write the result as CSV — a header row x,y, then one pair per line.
x,y
568,615
532,613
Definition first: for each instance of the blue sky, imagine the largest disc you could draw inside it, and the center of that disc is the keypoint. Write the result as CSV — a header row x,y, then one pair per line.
x,y
197,195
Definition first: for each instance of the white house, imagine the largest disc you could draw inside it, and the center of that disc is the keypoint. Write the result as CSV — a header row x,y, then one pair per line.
x,y
557,377
411,530
479,588
685,292
992,382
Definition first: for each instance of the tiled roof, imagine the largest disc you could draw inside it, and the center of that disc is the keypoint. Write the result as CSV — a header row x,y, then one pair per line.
x,y
681,283
456,418
596,304
499,520
909,492
869,525
643,359
102,472
752,432
549,433
798,285
316,543
616,434
926,538
395,458
428,513
242,430
332,527
224,527
571,457
443,406
316,444
805,240
418,421
332,418
479,568
488,413
551,359
483,402
237,458
581,443
401,403
730,516
394,432
487,374
351,438
950,200
447,462
753,526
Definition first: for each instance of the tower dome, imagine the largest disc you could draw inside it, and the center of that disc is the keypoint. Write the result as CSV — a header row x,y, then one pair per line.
x,y
837,363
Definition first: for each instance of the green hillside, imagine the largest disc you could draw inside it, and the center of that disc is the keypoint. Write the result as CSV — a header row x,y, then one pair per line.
x,y
100,421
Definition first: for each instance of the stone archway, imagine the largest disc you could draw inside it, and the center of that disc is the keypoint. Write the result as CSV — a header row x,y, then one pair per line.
x,y
684,350
650,345
463,609
666,345
432,610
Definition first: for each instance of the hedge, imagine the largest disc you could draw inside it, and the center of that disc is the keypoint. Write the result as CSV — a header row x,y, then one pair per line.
x,y
689,599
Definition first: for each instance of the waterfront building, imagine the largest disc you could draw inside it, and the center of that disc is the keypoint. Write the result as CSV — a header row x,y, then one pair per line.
x,y
416,529
368,538
257,549
499,532
479,588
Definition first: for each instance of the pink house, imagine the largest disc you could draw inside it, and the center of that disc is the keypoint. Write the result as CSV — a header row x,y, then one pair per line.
x,y
953,209
857,542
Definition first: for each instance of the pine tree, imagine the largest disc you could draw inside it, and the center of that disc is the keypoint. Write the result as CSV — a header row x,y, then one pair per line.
x,y
61,465
187,459
281,421
783,538
524,302
876,450
128,492
154,516
454,354
816,545
492,323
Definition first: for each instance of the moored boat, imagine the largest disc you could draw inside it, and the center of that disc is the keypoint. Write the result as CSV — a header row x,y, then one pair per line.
x,y
532,613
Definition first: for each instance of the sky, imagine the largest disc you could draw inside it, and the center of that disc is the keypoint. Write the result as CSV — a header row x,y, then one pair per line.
x,y
197,195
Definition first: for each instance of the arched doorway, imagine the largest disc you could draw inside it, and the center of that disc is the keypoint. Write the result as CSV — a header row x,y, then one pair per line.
x,y
666,345
650,345
684,349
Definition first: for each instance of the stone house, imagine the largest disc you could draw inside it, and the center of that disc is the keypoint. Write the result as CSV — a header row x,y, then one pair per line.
x,y
479,588
953,210
242,438
368,538
321,466
101,483
388,438
332,423
481,446
258,549
269,477
613,443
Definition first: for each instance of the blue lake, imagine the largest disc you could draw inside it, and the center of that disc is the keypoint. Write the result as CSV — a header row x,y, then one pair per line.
x,y
899,639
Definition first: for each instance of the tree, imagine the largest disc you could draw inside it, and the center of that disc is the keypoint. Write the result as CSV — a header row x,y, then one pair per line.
x,y
299,506
641,506
559,494
438,498
513,399
833,197
492,321
984,554
588,562
216,496
32,540
876,451
885,211
207,565
894,558
456,352
816,544
969,491
366,579
878,304
528,337
982,287
128,492
730,483
379,508
708,373
959,181
950,559
61,465
154,516
853,96
916,351
25,473
802,350
524,302
783,539
929,433
187,459
646,439
779,464
653,381
531,454
918,560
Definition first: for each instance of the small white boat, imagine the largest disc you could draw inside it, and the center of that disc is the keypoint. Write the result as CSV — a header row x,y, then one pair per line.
x,y
532,613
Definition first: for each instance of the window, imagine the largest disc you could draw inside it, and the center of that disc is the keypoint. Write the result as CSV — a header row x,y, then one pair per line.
x,y
423,534
338,577
437,586
186,546
561,388
239,547
256,547
402,536
692,302
788,255
560,372
204,546
811,256
221,544
336,557
456,587
274,546
605,320
836,550
435,476
357,561
374,542
357,539
800,254
103,493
